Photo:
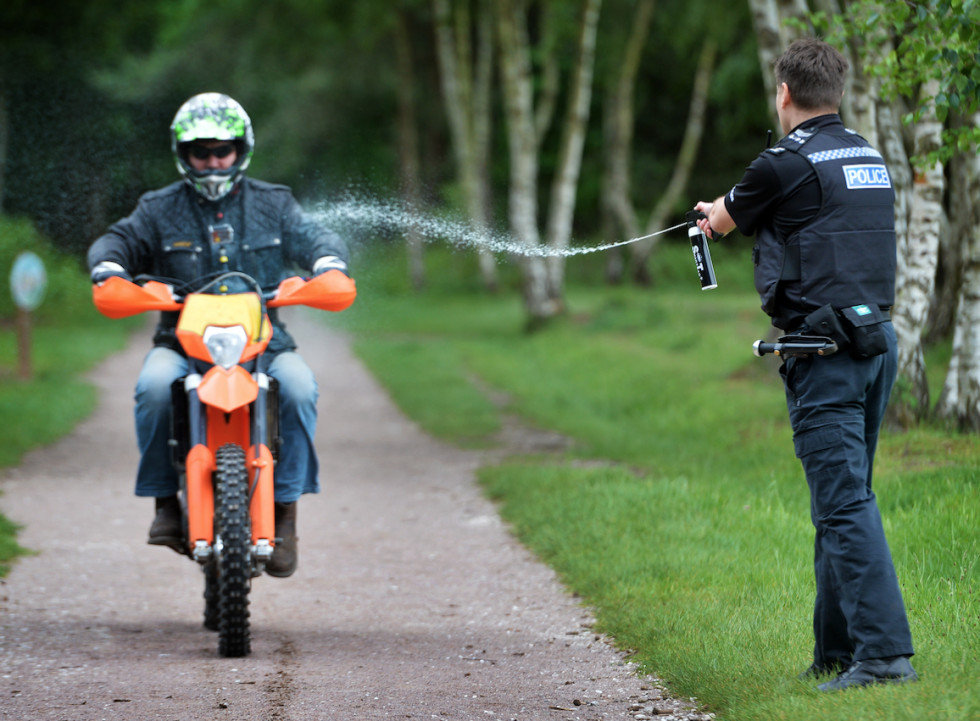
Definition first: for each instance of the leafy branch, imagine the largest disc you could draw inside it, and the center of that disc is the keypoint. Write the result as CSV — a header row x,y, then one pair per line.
x,y
907,44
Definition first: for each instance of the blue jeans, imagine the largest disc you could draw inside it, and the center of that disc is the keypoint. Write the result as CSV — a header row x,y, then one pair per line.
x,y
297,470
836,406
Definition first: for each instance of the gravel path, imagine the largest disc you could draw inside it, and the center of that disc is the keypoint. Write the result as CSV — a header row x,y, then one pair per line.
x,y
412,600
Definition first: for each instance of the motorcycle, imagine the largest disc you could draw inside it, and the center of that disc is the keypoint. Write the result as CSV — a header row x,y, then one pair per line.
x,y
224,431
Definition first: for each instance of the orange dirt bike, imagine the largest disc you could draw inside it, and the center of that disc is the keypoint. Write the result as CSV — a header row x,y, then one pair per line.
x,y
225,424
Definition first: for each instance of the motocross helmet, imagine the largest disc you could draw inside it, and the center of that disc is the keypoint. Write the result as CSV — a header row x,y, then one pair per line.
x,y
212,116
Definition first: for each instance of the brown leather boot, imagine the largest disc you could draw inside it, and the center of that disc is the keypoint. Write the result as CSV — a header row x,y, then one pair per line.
x,y
285,554
165,529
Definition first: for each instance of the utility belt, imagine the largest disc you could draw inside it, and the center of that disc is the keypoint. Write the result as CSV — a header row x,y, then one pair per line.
x,y
859,329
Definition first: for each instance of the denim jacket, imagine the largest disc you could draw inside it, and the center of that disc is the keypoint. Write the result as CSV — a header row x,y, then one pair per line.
x,y
258,228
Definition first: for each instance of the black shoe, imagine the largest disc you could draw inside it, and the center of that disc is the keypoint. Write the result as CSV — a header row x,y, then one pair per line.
x,y
285,555
166,527
895,669
817,670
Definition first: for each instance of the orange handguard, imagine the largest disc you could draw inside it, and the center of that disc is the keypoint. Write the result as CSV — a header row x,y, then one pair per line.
x,y
330,291
120,298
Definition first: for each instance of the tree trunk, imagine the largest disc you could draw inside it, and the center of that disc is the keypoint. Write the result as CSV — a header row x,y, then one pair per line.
x,y
916,276
522,140
772,36
960,399
408,144
563,190
618,213
543,281
466,76
952,244
684,164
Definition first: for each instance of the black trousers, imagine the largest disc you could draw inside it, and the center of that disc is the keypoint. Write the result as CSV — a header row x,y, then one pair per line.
x,y
836,405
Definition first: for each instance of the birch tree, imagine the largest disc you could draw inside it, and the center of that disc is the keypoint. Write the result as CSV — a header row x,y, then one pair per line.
x,y
466,73
565,183
919,53
917,258
959,402
929,55
528,117
618,214
686,157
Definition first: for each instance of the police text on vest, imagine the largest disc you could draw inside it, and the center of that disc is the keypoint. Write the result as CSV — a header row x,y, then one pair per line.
x,y
859,177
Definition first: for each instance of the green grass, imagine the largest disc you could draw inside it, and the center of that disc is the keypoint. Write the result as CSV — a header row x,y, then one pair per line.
x,y
680,513
68,337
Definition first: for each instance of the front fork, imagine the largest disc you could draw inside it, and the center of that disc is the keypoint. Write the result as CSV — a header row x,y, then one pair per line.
x,y
207,430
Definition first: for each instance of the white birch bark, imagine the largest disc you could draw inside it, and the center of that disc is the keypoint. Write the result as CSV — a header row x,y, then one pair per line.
x,y
522,140
543,281
618,214
561,209
917,256
960,398
465,75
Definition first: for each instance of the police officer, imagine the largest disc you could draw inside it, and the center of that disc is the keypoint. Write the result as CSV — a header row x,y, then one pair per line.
x,y
821,205
216,220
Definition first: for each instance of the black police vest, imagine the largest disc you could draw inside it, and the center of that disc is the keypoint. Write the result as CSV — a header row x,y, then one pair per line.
x,y
846,255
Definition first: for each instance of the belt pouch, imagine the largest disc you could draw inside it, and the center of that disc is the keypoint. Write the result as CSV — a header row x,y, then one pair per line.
x,y
863,324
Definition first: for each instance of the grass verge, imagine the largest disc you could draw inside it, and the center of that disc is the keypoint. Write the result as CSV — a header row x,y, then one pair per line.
x,y
680,512
67,339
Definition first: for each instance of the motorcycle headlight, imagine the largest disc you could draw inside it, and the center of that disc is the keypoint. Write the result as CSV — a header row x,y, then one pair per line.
x,y
225,345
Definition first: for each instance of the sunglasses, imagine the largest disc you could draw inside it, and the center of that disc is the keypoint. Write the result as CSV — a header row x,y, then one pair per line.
x,y
201,152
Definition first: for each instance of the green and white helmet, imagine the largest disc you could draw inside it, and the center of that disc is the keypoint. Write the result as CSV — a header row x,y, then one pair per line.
x,y
212,116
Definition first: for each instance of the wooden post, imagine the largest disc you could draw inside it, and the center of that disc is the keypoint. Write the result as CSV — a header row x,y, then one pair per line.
x,y
25,368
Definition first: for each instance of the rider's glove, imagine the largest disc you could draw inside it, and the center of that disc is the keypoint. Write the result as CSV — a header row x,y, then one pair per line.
x,y
107,269
329,262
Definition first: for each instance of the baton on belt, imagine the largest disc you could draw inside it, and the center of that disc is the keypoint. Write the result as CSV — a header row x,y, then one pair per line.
x,y
796,345
699,245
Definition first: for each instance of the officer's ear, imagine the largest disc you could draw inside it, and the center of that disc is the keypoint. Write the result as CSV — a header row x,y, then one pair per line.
x,y
783,96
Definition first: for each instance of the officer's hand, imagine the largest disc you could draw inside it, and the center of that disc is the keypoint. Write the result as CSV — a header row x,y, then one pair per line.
x,y
107,269
704,223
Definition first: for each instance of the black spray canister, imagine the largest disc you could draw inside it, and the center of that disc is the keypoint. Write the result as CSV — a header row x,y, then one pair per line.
x,y
699,245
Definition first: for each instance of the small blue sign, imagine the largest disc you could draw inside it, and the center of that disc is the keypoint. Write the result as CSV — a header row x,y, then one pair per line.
x,y
28,281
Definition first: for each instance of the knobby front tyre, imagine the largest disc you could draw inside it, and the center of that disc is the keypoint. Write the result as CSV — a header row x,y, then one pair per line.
x,y
232,526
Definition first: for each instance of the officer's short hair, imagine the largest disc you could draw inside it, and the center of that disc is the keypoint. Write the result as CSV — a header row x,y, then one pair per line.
x,y
814,72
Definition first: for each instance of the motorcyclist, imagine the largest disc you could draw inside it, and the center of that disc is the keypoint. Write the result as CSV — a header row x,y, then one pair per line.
x,y
217,219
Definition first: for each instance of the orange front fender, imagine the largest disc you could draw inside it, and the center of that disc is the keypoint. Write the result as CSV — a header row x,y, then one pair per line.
x,y
229,389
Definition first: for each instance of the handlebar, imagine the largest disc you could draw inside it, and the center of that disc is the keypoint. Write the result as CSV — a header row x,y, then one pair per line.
x,y
796,345
119,298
